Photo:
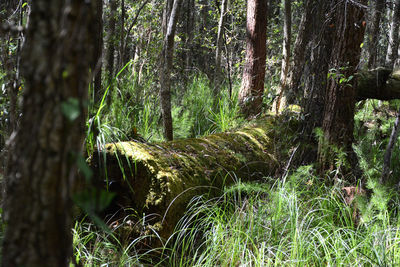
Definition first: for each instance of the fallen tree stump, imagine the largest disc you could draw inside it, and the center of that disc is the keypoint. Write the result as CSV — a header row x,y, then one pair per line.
x,y
162,178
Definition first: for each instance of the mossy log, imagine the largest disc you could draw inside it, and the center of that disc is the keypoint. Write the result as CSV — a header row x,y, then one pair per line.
x,y
380,83
162,178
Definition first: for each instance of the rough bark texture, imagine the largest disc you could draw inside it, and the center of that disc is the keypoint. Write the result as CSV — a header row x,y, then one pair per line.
x,y
41,168
373,28
162,178
338,122
392,52
389,150
252,88
166,67
316,80
299,52
287,36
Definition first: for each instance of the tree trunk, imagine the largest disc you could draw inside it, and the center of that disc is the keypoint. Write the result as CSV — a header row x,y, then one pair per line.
x,y
166,67
389,149
121,53
219,46
373,33
252,88
338,122
299,52
111,42
392,52
41,168
168,175
98,50
287,36
316,80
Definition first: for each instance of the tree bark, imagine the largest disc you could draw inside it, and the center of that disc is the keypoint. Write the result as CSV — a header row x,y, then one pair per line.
x,y
299,52
287,36
166,67
252,88
219,46
41,168
389,150
373,29
98,50
392,52
338,122
316,80
111,42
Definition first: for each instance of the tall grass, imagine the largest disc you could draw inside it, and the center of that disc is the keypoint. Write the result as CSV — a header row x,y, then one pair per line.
x,y
299,222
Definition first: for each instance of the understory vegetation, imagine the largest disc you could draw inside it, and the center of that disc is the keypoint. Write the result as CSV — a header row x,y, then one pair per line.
x,y
293,220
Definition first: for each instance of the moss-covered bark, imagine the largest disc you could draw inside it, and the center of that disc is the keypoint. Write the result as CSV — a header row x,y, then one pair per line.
x,y
162,178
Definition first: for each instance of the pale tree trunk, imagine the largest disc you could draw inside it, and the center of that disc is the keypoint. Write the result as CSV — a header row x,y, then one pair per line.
x,y
287,36
121,53
392,52
166,67
373,33
299,51
338,122
218,51
41,168
252,88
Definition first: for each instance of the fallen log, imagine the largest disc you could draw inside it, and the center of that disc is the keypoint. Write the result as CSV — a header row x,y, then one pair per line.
x,y
380,83
162,178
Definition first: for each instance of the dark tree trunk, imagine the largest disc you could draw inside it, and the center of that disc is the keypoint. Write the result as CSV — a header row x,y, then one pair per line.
x,y
287,36
338,122
121,53
111,41
252,88
299,51
316,79
98,50
373,33
41,168
166,67
392,52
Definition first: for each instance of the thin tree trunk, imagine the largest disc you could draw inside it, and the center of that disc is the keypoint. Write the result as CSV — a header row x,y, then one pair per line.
x,y
338,122
166,67
373,33
252,88
121,53
111,41
287,36
392,52
218,51
389,150
98,50
41,168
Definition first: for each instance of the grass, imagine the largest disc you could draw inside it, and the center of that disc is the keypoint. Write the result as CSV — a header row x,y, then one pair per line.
x,y
300,222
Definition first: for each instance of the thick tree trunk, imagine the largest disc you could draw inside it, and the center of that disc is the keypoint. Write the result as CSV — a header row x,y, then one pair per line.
x,y
166,67
373,29
41,168
392,52
252,88
161,179
287,36
316,80
299,52
338,122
